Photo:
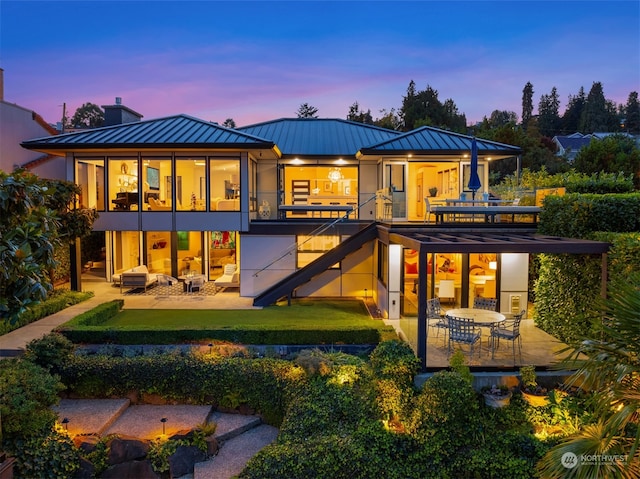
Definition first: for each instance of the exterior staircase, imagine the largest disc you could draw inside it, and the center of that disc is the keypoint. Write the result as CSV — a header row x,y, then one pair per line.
x,y
287,286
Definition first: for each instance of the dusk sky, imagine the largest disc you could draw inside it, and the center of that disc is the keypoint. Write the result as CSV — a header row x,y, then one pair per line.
x,y
257,61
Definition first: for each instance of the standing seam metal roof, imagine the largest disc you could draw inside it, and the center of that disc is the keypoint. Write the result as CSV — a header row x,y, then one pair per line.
x,y
429,140
319,136
179,130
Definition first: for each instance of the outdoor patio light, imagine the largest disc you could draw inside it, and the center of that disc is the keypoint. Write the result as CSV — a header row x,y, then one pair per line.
x,y
163,421
65,422
210,348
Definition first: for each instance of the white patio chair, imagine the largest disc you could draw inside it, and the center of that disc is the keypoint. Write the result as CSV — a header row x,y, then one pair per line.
x,y
427,211
197,283
229,278
166,281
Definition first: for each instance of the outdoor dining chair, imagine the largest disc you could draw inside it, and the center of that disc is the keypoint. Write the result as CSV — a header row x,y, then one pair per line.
x,y
434,312
464,331
508,330
427,210
489,304
166,281
196,283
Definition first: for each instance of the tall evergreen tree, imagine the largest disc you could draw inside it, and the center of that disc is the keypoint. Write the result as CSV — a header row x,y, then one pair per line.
x,y
632,114
548,117
573,112
408,112
527,104
421,108
597,114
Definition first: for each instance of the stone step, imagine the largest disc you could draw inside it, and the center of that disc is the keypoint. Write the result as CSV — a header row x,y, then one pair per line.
x,y
235,453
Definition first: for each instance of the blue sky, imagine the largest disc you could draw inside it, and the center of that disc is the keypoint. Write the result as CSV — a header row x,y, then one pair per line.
x,y
256,61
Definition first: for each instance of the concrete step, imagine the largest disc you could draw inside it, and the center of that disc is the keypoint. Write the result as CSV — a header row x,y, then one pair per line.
x,y
235,453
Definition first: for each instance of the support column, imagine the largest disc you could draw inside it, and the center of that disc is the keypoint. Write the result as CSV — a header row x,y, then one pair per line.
x,y
75,265
422,307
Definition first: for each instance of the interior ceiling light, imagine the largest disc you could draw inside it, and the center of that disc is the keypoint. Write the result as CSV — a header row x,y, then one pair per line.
x,y
335,175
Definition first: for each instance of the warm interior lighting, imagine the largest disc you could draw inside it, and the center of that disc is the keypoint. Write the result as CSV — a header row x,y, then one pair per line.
x,y
335,175
493,265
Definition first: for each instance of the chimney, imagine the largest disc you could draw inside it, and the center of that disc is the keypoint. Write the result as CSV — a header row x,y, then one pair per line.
x,y
119,114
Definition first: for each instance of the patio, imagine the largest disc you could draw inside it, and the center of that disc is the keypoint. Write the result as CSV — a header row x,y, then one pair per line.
x,y
538,347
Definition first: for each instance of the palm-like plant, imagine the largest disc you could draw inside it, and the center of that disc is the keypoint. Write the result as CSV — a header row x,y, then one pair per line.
x,y
610,367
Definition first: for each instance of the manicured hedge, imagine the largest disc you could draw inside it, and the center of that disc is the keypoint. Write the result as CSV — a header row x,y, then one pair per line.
x,y
578,215
98,335
58,300
568,288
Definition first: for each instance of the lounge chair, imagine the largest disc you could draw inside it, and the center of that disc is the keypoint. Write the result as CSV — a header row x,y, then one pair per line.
x,y
229,278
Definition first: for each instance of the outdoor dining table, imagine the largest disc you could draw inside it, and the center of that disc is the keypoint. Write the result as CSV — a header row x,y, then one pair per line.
x,y
480,317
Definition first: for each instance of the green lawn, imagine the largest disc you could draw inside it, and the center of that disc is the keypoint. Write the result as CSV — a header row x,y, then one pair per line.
x,y
304,322
303,314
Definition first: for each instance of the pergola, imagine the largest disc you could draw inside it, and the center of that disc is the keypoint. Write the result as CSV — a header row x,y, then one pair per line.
x,y
460,241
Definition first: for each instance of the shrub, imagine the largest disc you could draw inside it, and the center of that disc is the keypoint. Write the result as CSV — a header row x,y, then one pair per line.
x,y
47,455
50,352
395,360
27,393
445,413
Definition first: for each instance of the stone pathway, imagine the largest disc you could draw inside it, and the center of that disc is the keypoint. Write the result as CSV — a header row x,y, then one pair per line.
x,y
240,437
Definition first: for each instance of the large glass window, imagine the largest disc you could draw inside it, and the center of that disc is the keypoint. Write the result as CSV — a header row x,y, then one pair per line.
x,y
158,250
123,183
224,183
312,247
189,247
90,177
320,185
126,250
482,276
222,251
157,192
191,183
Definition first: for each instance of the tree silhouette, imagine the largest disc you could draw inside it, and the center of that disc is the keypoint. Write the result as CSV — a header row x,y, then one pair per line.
x,y
307,111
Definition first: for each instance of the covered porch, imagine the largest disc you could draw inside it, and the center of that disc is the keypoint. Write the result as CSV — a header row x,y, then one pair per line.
x,y
414,323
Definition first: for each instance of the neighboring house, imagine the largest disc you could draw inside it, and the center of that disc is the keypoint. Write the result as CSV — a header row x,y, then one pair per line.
x,y
569,145
179,193
17,124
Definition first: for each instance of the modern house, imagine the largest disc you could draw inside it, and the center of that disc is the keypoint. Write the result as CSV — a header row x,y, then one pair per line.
x,y
306,207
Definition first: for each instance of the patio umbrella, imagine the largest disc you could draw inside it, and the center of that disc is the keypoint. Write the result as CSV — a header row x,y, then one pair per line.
x,y
474,180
